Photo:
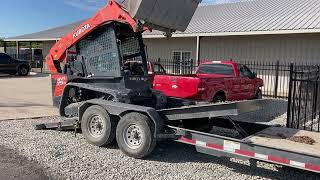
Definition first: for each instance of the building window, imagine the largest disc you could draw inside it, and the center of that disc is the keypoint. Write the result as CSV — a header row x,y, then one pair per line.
x,y
182,62
181,56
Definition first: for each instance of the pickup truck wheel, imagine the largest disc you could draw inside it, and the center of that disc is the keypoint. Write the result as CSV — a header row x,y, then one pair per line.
x,y
218,98
258,94
23,71
160,100
97,126
135,135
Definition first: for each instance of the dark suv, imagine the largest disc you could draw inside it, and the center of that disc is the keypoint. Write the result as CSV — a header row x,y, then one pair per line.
x,y
9,65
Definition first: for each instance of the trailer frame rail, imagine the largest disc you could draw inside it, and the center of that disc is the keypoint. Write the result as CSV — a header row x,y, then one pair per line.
x,y
224,146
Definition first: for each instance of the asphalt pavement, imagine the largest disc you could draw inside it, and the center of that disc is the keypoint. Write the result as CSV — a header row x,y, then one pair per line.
x,y
25,97
16,167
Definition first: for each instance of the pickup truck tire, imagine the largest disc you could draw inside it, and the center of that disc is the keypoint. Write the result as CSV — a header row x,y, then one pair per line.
x,y
258,94
23,70
135,135
160,100
219,98
97,126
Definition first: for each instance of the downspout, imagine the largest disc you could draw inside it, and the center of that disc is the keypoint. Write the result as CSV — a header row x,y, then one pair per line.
x,y
198,50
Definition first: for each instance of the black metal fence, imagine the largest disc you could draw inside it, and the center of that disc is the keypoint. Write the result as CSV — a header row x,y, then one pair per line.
x,y
275,76
177,66
304,98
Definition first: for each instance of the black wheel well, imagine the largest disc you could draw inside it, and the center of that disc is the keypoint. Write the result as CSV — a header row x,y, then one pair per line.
x,y
220,93
157,126
23,65
83,108
131,111
258,90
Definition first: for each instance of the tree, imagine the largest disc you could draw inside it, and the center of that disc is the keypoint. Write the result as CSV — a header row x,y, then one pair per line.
x,y
1,42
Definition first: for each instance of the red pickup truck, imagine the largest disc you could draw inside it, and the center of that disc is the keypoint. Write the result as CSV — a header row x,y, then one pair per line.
x,y
214,81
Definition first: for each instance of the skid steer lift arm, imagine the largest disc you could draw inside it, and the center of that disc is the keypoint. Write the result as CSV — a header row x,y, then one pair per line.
x,y
111,12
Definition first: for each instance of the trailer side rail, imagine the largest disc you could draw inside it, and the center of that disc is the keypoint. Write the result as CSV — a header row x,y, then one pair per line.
x,y
229,147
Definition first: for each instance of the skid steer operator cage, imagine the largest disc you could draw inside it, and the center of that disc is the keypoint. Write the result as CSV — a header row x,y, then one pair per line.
x,y
107,50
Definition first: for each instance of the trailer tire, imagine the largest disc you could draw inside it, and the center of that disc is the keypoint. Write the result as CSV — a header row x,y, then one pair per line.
x,y
97,126
135,135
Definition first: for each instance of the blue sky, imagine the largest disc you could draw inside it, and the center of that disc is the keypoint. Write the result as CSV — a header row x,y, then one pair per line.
x,y
19,17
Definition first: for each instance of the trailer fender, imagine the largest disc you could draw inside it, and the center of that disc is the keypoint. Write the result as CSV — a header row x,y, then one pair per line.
x,y
120,109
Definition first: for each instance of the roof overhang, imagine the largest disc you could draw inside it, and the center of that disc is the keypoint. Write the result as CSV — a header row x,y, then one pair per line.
x,y
33,40
250,33
150,36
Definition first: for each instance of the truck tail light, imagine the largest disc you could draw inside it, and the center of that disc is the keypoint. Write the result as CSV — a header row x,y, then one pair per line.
x,y
201,88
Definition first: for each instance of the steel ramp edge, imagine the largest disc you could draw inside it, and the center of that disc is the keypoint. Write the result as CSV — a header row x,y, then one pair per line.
x,y
67,124
216,145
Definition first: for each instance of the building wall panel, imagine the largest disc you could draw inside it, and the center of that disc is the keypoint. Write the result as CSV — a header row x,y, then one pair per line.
x,y
164,47
298,48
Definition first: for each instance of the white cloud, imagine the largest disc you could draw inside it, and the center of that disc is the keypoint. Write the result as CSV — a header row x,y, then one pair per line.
x,y
87,5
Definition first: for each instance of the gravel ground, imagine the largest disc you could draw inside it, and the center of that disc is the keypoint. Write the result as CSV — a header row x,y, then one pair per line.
x,y
67,157
273,112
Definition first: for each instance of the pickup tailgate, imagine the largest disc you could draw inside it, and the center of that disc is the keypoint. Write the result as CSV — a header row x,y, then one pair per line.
x,y
177,86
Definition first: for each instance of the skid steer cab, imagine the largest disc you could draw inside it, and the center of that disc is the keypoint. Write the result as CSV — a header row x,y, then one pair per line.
x,y
110,64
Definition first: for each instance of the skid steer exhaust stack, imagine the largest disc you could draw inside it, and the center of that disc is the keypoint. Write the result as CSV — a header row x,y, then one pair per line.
x,y
164,15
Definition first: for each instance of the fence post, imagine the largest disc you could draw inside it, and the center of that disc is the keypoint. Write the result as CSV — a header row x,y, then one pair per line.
x,y
192,66
289,95
276,80
5,46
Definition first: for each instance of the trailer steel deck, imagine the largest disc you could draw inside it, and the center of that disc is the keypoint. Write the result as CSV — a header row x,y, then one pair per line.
x,y
212,110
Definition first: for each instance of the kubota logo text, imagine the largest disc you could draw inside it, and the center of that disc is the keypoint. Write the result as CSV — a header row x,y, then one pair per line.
x,y
81,30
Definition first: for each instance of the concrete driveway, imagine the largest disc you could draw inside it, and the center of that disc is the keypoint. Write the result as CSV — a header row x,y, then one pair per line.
x,y
25,97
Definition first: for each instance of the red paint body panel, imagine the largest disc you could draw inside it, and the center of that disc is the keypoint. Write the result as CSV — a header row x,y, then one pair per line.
x,y
60,81
203,87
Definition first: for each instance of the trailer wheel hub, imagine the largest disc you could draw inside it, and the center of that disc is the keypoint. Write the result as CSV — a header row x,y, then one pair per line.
x,y
96,126
133,136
